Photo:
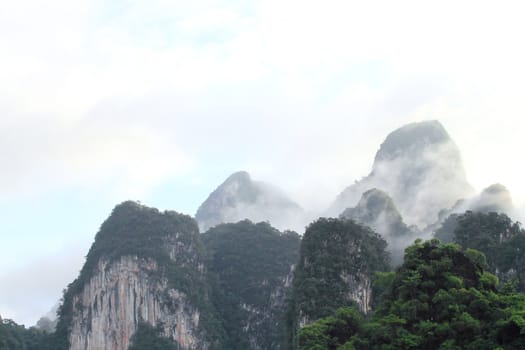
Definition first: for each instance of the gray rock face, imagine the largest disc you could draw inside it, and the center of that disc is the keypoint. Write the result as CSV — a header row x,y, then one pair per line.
x,y
145,267
239,198
420,167
123,293
377,210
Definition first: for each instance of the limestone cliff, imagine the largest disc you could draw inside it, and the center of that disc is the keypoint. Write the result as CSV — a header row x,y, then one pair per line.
x,y
123,293
145,266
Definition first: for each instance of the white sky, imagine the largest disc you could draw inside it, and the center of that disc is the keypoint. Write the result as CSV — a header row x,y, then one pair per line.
x,y
101,101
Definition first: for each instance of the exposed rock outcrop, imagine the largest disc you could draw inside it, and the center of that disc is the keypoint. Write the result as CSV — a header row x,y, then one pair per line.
x,y
122,293
145,267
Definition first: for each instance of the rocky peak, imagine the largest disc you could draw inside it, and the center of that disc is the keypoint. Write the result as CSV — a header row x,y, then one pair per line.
x,y
373,205
145,266
414,165
377,210
239,197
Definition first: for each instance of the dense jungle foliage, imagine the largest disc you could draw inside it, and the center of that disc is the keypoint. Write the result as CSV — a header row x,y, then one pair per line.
x,y
495,235
440,298
148,337
444,296
333,252
17,337
248,266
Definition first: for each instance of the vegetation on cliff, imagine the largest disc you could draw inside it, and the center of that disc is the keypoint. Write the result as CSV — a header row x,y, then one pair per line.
x,y
440,298
148,337
337,260
258,288
136,230
495,235
249,266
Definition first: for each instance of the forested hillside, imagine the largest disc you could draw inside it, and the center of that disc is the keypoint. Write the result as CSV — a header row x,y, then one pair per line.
x,y
440,298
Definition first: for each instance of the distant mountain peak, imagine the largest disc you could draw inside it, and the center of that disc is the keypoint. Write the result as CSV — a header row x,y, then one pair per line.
x,y
414,165
239,177
377,210
411,138
239,197
371,206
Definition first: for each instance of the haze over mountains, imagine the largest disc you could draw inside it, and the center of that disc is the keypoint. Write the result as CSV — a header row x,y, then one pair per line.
x,y
417,177
414,165
239,197
195,280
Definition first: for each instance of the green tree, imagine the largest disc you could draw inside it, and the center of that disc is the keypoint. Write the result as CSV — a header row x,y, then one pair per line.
x,y
148,337
440,298
501,240
248,266
337,257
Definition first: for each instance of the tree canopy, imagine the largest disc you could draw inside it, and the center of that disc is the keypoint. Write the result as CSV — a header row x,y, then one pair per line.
x,y
440,298
500,239
337,259
248,266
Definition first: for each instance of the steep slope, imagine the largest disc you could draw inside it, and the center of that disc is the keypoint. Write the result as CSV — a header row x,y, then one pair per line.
x,y
145,266
239,198
336,264
377,210
250,268
415,164
440,298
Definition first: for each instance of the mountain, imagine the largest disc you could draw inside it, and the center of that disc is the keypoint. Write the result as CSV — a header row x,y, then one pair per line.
x,y
495,198
336,265
250,267
145,267
151,278
377,210
440,298
501,240
420,167
240,197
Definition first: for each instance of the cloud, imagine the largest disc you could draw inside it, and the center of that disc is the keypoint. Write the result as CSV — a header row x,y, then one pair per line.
x,y
32,289
129,159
